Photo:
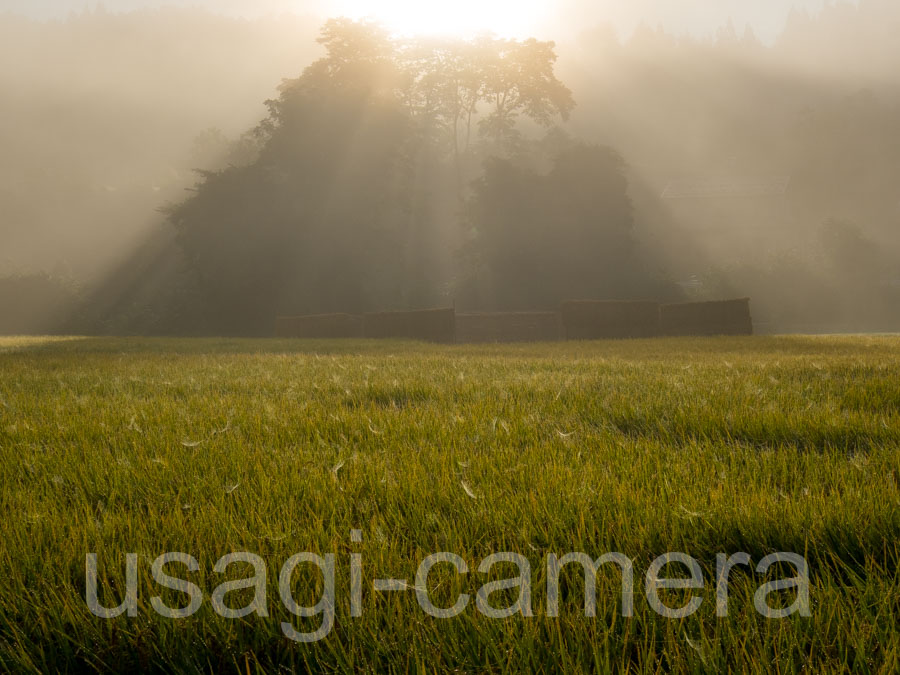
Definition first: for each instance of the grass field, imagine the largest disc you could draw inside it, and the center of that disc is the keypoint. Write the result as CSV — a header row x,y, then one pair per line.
x,y
642,447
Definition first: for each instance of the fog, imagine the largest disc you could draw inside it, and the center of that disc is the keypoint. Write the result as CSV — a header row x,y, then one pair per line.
x,y
668,151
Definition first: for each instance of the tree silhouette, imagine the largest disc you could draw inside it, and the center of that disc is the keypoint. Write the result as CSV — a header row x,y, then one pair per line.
x,y
542,238
328,215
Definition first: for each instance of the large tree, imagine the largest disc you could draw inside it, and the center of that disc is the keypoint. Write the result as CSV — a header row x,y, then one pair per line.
x,y
332,212
315,223
488,83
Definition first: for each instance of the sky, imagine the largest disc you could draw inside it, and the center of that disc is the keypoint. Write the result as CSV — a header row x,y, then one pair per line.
x,y
510,17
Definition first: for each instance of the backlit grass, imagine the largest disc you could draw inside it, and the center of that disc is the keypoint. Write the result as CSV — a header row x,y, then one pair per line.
x,y
277,447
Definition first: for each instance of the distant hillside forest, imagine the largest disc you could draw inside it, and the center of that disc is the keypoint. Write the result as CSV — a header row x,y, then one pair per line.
x,y
485,174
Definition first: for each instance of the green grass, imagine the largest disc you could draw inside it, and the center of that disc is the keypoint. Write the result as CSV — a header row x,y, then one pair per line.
x,y
276,447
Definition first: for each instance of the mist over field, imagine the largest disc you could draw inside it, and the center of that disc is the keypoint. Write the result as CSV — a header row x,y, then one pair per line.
x,y
660,151
496,336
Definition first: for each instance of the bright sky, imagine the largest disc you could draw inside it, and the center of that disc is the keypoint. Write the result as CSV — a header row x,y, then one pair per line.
x,y
542,18
511,18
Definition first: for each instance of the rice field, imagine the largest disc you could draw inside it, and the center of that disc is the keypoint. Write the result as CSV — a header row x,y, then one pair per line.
x,y
382,454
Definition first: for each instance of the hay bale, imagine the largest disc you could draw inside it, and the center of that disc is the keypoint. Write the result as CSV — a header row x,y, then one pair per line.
x,y
725,317
598,320
430,325
509,327
319,326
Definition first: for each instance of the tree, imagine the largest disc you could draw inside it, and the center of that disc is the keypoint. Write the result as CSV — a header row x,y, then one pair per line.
x,y
452,79
542,238
333,214
519,80
315,223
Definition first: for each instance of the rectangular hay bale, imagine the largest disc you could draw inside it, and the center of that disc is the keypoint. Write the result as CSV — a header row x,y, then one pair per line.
x,y
430,325
509,327
323,326
599,320
723,317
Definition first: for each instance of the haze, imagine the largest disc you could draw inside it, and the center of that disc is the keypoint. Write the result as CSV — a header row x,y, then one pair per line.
x,y
758,146
528,17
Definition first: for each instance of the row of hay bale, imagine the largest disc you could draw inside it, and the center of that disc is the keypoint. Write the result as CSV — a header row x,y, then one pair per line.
x,y
509,327
592,320
320,326
430,325
724,317
577,320
433,325
597,320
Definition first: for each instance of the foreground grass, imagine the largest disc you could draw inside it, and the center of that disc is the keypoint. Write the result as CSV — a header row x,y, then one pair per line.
x,y
278,447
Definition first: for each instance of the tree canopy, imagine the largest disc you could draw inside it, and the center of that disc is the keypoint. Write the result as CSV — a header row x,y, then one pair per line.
x,y
336,210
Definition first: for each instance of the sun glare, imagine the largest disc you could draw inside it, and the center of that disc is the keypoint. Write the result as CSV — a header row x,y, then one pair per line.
x,y
465,18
